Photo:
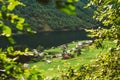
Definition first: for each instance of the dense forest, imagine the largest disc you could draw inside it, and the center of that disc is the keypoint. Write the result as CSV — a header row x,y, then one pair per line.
x,y
47,17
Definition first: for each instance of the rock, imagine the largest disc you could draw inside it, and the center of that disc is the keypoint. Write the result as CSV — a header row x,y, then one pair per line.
x,y
35,51
66,56
80,43
41,55
25,65
48,61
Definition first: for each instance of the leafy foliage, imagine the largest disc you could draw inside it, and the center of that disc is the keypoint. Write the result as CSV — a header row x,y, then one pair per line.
x,y
107,12
7,17
107,66
10,68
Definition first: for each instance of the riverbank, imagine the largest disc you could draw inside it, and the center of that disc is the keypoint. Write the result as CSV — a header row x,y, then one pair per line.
x,y
58,66
51,30
77,29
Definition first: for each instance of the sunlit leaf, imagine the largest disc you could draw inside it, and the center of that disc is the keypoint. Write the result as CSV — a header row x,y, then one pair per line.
x,y
11,6
10,49
19,26
71,7
70,1
21,20
6,31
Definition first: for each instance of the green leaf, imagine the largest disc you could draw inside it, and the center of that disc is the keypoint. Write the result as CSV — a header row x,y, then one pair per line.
x,y
10,49
19,26
11,40
4,8
13,4
29,29
70,1
11,7
68,11
71,7
21,20
6,31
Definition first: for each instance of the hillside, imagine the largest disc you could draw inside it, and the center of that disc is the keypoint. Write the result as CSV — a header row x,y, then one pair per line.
x,y
48,18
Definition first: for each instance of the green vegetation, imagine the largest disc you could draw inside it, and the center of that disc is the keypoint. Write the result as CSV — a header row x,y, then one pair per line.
x,y
10,67
57,67
47,17
106,66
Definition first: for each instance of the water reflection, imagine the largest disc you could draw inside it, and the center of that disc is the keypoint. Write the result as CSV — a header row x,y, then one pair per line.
x,y
46,39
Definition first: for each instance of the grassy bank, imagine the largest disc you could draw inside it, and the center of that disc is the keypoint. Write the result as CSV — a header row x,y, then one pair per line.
x,y
57,65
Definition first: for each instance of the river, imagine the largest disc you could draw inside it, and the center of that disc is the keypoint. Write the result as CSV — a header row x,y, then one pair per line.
x,y
46,39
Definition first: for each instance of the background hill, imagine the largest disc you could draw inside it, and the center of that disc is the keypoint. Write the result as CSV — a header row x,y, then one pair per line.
x,y
48,18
